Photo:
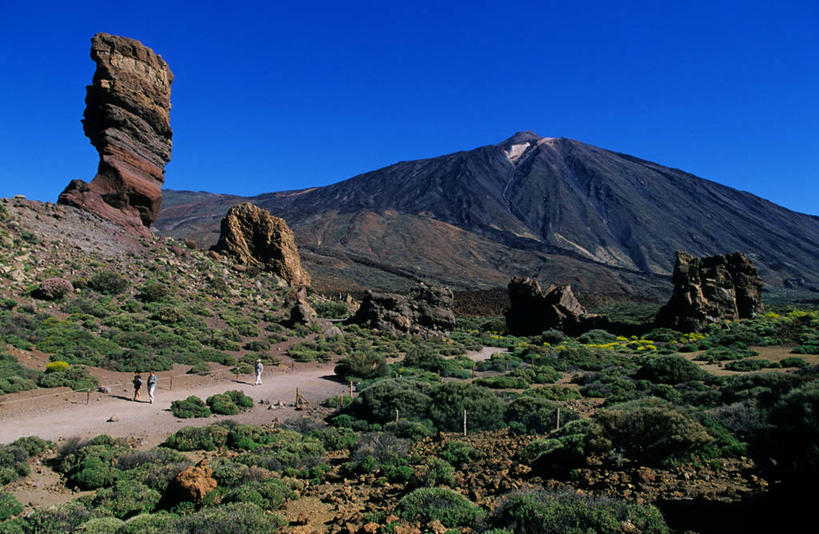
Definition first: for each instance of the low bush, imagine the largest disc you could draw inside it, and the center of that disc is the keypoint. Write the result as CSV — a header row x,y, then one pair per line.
x,y
449,401
502,382
376,450
459,452
436,472
53,289
229,403
193,406
232,517
546,512
380,401
75,377
205,438
124,499
452,509
532,415
751,365
9,506
670,369
362,364
108,282
793,361
269,494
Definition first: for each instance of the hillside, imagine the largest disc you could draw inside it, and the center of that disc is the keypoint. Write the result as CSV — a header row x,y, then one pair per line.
x,y
558,208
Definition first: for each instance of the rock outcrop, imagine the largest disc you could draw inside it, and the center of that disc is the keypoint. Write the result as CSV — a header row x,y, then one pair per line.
x,y
711,289
127,119
191,484
533,310
253,237
301,313
426,311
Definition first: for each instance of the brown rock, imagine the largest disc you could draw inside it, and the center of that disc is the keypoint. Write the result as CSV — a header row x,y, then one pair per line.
x,y
253,237
533,310
711,289
369,528
426,310
192,484
436,527
127,119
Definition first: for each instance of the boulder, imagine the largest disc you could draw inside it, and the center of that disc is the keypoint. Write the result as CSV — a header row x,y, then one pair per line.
x,y
533,310
127,119
254,237
711,289
191,484
426,310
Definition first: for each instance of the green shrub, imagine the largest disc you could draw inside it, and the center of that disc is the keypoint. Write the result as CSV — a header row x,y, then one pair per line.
x,y
555,393
76,378
9,506
91,465
125,498
502,382
362,364
793,361
191,438
545,512
379,449
793,437
534,415
459,452
484,410
267,494
750,365
379,401
154,292
108,282
412,430
286,451
670,369
232,517
437,472
55,519
33,445
229,403
596,337
428,504
101,525
335,438
193,406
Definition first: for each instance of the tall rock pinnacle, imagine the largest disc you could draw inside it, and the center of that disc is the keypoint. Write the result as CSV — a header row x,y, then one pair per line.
x,y
127,117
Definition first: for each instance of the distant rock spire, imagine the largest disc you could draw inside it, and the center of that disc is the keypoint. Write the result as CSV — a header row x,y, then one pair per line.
x,y
127,119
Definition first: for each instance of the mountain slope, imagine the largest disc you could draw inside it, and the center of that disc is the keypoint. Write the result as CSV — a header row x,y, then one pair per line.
x,y
555,207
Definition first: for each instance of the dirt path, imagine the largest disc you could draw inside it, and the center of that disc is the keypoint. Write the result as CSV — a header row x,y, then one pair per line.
x,y
67,415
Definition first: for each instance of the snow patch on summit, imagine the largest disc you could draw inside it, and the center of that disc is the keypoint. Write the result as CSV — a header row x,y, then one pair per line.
x,y
514,152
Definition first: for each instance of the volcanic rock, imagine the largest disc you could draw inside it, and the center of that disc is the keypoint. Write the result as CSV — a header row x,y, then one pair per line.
x,y
252,236
426,310
191,484
532,310
127,119
711,289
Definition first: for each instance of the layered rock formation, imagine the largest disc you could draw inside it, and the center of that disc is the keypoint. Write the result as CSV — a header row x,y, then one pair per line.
x,y
253,237
533,310
711,289
426,311
127,119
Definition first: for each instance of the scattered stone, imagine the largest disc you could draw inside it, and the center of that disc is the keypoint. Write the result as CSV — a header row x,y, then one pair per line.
x,y
127,119
712,289
254,237
112,419
191,484
104,389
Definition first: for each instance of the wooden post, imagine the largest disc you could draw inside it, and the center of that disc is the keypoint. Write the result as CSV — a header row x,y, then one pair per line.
x,y
297,397
341,401
464,422
473,370
558,418
396,415
533,360
351,389
507,364
171,383
88,397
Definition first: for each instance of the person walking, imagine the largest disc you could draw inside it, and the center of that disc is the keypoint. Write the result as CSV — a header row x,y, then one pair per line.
x,y
259,368
151,386
137,385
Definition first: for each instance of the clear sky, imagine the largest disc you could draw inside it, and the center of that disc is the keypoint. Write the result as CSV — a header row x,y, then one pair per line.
x,y
274,95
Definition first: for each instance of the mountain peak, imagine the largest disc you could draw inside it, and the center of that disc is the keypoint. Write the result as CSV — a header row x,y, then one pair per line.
x,y
520,138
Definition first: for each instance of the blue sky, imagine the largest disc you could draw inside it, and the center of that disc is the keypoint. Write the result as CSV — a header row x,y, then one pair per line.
x,y
272,95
